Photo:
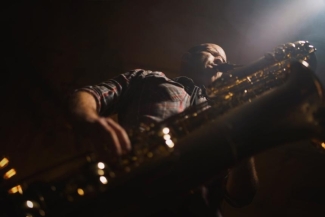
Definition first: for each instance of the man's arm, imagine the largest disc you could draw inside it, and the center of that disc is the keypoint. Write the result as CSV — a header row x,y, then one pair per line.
x,y
103,131
242,183
88,105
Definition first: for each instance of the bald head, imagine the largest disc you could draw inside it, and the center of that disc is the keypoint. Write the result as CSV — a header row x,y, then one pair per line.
x,y
200,63
209,47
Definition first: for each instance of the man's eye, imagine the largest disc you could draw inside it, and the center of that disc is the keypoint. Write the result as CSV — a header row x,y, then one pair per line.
x,y
215,54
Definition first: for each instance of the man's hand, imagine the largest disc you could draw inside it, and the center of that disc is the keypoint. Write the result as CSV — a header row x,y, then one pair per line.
x,y
107,134
104,132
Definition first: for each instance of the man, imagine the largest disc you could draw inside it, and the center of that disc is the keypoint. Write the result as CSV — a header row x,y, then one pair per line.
x,y
142,97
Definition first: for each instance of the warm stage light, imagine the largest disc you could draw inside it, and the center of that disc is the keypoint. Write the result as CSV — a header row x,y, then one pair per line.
x,y
16,189
323,145
80,191
4,162
9,174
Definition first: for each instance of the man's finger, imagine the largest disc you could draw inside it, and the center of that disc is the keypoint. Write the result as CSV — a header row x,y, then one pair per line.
x,y
110,136
121,134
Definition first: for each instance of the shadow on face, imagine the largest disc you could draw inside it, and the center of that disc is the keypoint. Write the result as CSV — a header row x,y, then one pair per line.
x,y
200,63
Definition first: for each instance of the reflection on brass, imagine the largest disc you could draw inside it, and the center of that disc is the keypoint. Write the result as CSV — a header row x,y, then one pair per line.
x,y
100,172
273,74
169,143
32,204
9,174
165,130
167,137
4,162
103,180
16,189
29,204
101,165
228,96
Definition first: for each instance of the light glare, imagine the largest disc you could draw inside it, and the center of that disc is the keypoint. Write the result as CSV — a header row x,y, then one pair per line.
x,y
4,162
100,172
29,204
9,174
16,189
170,143
103,180
167,137
80,192
305,63
166,130
101,165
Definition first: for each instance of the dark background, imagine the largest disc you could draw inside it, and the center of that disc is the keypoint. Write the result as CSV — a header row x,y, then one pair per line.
x,y
50,48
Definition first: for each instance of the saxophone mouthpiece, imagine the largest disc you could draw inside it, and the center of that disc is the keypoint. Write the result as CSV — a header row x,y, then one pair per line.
x,y
225,67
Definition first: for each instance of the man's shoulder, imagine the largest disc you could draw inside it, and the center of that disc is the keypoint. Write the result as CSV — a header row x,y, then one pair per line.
x,y
146,73
139,75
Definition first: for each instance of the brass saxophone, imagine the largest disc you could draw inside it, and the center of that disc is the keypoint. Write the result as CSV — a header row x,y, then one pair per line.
x,y
250,109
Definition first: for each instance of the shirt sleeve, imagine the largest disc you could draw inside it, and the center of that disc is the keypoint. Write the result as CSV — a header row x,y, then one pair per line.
x,y
109,94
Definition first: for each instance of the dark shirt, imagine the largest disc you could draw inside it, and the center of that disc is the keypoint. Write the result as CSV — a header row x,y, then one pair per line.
x,y
143,96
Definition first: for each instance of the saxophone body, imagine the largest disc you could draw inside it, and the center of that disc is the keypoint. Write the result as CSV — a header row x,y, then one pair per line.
x,y
270,102
278,93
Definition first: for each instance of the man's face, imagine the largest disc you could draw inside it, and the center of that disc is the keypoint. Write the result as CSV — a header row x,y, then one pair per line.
x,y
202,61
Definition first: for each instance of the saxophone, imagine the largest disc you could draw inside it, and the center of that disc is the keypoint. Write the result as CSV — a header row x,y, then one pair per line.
x,y
250,109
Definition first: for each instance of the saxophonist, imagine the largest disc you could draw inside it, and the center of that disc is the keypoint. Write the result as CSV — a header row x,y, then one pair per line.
x,y
140,97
